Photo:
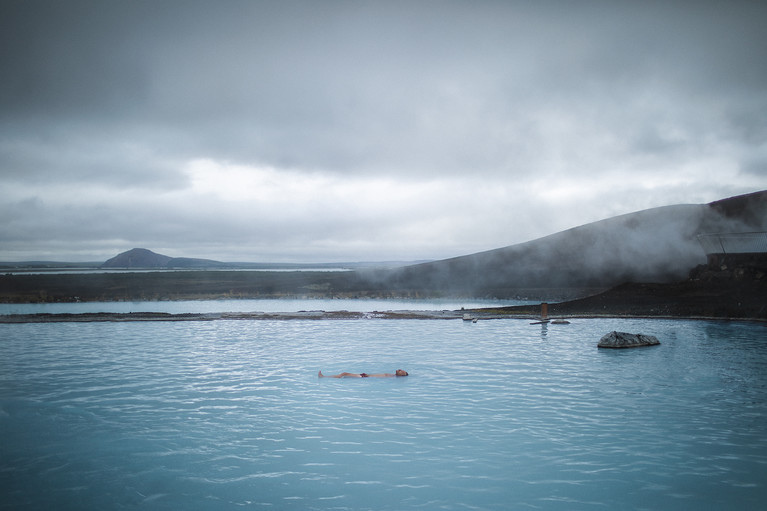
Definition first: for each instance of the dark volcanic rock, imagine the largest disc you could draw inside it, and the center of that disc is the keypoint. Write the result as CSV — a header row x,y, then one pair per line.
x,y
624,340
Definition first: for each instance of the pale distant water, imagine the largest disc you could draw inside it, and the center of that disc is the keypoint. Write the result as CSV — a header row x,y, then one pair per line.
x,y
92,271
263,305
495,415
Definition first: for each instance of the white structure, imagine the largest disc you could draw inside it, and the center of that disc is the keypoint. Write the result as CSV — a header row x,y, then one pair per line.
x,y
741,244
734,243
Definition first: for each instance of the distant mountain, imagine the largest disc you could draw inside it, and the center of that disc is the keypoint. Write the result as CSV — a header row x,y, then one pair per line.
x,y
137,258
654,245
143,258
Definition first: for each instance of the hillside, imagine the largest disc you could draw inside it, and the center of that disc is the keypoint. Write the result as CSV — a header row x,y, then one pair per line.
x,y
656,245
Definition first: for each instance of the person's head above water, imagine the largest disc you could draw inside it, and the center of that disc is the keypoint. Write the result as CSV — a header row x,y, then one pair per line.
x,y
401,372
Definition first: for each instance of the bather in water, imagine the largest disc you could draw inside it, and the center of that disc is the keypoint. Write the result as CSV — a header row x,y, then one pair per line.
x,y
398,372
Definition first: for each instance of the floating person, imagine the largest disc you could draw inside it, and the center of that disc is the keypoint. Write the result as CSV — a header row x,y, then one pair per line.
x,y
398,372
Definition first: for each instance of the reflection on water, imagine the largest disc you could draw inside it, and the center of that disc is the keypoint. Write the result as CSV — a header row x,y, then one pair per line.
x,y
495,415
266,305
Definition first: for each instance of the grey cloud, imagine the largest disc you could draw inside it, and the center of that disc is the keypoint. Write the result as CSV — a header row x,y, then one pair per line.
x,y
88,159
64,58
122,95
755,166
346,81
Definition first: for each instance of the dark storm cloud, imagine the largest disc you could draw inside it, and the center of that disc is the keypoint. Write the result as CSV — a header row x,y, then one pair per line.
x,y
558,104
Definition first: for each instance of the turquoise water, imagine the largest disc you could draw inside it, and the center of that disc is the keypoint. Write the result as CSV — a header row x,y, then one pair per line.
x,y
495,415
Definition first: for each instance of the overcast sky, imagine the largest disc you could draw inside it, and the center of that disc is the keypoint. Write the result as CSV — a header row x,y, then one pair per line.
x,y
362,130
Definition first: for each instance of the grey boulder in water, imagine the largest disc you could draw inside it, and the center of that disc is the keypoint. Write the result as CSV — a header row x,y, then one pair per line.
x,y
624,340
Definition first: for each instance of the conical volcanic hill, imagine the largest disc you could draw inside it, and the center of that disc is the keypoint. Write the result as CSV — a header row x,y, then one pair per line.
x,y
143,258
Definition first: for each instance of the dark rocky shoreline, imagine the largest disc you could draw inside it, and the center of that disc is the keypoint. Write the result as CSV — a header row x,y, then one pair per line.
x,y
711,292
662,301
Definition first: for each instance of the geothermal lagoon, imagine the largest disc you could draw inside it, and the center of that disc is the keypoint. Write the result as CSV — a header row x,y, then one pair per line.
x,y
497,414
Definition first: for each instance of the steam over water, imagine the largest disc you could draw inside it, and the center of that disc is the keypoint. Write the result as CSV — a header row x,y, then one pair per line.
x,y
494,415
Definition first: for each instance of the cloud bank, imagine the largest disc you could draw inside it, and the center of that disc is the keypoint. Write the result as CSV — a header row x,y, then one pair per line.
x,y
344,130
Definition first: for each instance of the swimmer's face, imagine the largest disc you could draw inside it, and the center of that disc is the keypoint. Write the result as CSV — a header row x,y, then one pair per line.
x,y
400,372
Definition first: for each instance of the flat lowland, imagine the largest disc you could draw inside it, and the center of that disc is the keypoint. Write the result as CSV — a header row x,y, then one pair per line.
x,y
212,285
167,285
707,294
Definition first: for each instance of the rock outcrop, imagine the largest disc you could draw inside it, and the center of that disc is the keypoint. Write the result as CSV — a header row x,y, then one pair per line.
x,y
625,340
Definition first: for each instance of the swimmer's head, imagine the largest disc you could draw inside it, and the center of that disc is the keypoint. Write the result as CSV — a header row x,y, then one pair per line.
x,y
400,372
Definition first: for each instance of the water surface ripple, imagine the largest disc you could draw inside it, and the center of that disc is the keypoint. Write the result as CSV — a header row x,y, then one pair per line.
x,y
495,415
